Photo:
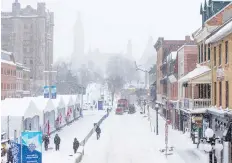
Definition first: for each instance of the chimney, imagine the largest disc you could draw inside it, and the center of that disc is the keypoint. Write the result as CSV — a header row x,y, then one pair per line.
x,y
187,38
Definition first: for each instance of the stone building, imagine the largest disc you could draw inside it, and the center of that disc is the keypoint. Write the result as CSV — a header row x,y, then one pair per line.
x,y
22,81
28,33
8,75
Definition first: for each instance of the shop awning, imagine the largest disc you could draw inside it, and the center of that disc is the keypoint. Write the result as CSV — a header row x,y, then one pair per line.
x,y
197,73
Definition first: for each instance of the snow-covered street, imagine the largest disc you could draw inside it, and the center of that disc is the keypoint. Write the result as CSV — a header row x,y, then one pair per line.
x,y
127,139
78,129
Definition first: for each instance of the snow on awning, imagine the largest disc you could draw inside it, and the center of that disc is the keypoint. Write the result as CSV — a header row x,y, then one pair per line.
x,y
199,70
172,78
223,32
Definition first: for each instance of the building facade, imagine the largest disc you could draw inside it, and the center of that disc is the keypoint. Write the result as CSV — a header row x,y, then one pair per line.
x,y
28,33
8,75
214,44
22,81
221,50
164,48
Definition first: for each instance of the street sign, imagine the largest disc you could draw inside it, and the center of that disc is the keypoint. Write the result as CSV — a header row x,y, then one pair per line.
x,y
46,91
31,147
53,92
166,133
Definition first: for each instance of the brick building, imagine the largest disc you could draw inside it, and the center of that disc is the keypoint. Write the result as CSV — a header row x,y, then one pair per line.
x,y
28,33
164,48
214,43
8,75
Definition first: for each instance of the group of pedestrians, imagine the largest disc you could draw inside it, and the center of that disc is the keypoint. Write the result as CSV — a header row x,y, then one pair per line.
x,y
57,140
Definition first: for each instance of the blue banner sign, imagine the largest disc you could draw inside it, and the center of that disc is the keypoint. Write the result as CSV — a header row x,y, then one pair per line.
x,y
53,92
100,105
32,147
16,152
46,91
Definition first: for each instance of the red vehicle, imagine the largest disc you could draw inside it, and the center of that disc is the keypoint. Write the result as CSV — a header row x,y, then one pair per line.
x,y
119,111
123,103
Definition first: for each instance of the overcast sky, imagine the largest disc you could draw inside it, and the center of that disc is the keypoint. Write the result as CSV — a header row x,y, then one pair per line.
x,y
109,24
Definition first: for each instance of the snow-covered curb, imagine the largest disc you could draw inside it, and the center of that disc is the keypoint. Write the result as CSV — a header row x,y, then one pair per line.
x,y
80,152
79,155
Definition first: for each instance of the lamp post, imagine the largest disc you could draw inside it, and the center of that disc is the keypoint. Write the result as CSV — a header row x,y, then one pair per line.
x,y
157,108
211,145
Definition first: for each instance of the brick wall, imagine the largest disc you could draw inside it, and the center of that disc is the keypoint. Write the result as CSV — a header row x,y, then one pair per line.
x,y
8,80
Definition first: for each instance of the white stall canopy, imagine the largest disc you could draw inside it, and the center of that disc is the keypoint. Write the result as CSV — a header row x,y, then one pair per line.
x,y
19,107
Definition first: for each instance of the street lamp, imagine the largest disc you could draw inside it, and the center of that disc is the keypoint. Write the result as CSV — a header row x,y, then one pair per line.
x,y
210,144
157,108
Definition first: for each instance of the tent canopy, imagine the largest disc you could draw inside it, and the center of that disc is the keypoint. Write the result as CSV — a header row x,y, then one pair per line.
x,y
19,107
68,100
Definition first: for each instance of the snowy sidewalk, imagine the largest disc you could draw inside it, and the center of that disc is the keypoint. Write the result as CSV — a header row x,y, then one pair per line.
x,y
78,129
126,139
182,143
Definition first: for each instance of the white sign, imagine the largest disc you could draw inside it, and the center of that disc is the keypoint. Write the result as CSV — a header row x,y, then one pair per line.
x,y
220,74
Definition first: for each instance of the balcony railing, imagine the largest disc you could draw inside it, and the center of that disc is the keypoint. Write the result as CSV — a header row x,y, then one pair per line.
x,y
195,103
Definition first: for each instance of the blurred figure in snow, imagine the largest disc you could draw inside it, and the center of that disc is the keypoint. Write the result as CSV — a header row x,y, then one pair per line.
x,y
98,131
57,142
75,145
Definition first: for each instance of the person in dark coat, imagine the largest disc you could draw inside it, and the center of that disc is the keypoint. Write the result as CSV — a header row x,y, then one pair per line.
x,y
9,155
57,142
98,131
46,142
75,145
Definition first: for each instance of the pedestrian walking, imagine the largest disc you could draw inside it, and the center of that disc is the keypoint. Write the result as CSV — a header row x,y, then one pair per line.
x,y
75,145
46,142
57,142
98,131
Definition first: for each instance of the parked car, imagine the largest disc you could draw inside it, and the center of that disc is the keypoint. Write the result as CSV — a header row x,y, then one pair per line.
x,y
123,103
131,109
119,111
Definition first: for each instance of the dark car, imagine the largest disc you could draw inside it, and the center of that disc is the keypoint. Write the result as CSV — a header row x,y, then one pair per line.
x,y
131,109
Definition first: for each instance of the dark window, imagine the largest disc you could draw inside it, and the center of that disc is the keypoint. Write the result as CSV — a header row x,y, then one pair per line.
x,y
1,85
4,86
31,61
215,93
205,53
8,86
208,51
226,52
8,72
220,93
1,70
215,55
199,54
220,54
227,94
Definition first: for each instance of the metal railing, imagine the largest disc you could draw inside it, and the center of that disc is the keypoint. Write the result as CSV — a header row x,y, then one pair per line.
x,y
195,103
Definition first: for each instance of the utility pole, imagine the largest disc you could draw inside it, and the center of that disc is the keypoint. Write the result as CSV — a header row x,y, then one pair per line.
x,y
8,127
